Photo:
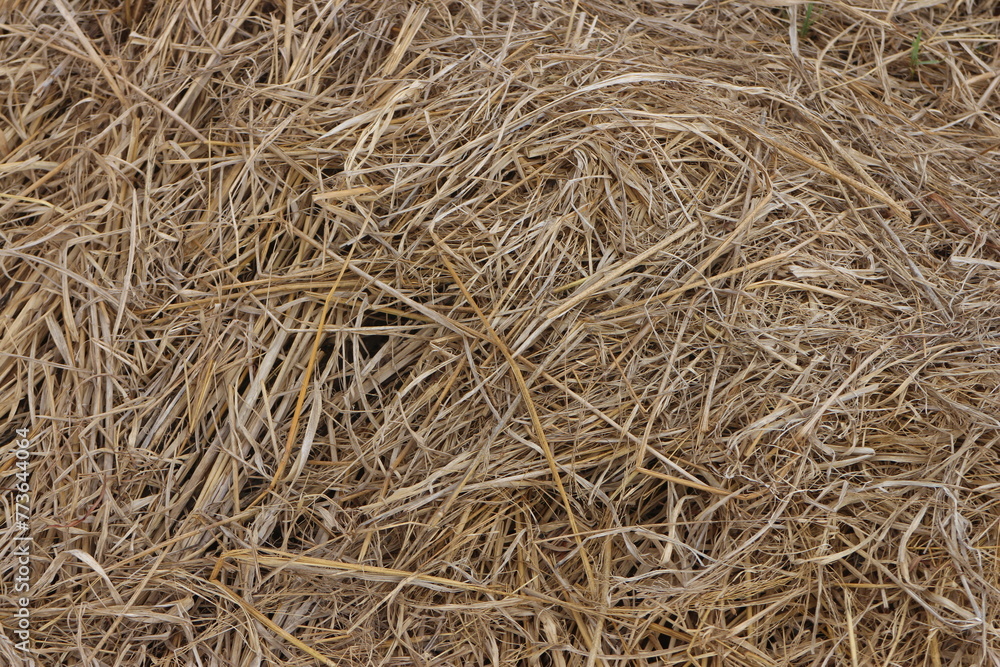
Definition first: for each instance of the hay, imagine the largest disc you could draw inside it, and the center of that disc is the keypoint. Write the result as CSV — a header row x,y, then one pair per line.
x,y
503,333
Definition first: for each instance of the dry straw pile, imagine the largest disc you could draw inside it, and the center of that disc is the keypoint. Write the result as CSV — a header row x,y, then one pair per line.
x,y
542,333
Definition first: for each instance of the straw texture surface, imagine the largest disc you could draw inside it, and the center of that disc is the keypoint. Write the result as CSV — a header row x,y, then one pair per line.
x,y
542,333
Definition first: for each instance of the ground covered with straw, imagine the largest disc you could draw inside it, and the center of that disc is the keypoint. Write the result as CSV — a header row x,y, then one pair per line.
x,y
542,333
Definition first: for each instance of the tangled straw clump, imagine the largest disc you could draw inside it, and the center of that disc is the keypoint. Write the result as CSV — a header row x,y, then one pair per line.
x,y
503,333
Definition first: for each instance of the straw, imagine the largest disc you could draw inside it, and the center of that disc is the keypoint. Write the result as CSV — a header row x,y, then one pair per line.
x,y
556,333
